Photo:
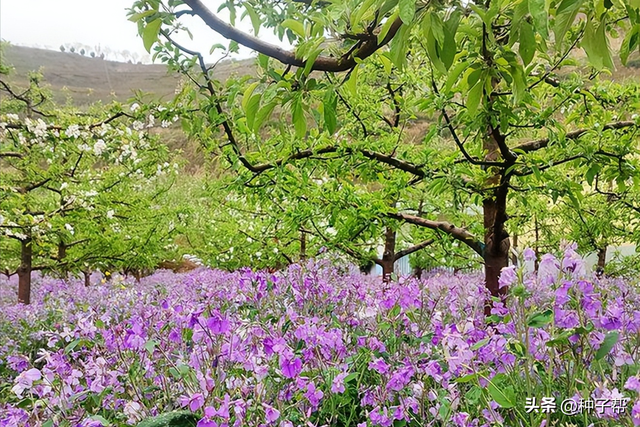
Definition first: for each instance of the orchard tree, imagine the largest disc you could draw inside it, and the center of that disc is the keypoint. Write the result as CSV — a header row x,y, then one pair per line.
x,y
499,80
73,185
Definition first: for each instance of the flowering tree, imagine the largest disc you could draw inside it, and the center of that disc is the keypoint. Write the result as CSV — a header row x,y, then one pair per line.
x,y
77,187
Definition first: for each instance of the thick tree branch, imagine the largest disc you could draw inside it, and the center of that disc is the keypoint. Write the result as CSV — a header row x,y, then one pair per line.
x,y
456,232
414,248
530,146
322,63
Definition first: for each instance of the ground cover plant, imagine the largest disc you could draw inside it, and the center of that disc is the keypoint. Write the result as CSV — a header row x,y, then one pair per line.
x,y
321,344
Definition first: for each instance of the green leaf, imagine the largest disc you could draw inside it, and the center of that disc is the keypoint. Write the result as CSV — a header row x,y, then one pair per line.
x,y
592,172
504,396
474,97
449,48
263,114
295,26
138,16
467,378
629,43
527,48
151,345
407,10
255,19
49,423
329,110
540,15
540,319
453,75
252,109
171,419
519,12
565,17
596,46
298,118
246,96
609,341
150,33
351,83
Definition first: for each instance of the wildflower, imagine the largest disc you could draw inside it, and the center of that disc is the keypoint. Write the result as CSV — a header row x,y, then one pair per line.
x,y
25,381
529,255
195,401
135,106
379,365
290,368
337,385
507,276
271,414
633,383
635,413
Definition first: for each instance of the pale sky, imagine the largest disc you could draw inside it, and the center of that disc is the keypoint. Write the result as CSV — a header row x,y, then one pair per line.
x,y
93,23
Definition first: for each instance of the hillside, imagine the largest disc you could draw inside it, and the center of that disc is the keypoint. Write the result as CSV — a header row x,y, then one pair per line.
x,y
86,80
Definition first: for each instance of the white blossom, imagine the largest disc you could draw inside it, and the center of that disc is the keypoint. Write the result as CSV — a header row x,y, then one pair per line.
x,y
69,228
110,214
73,131
135,106
99,147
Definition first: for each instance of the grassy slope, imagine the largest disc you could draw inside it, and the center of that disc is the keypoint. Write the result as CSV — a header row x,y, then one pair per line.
x,y
87,80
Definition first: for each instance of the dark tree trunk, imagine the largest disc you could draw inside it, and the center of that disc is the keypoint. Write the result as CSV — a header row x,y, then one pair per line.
x,y
303,245
389,254
87,278
602,257
24,272
496,238
62,251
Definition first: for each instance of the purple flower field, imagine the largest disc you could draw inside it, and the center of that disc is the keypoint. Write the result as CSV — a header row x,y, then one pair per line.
x,y
320,345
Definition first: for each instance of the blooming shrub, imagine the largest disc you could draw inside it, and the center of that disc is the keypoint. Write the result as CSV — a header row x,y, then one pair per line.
x,y
322,345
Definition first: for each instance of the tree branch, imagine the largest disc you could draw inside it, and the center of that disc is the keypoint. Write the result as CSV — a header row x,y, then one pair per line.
x,y
456,232
530,146
414,248
322,63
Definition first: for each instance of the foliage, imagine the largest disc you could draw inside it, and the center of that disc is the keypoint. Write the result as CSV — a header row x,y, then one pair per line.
x,y
504,103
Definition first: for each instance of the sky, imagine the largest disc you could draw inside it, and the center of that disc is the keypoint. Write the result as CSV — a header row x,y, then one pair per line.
x,y
98,24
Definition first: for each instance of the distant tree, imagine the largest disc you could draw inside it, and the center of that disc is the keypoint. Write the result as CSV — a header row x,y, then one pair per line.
x,y
62,49
78,189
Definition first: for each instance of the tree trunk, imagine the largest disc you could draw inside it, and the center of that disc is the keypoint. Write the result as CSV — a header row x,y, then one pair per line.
x,y
87,278
496,238
514,256
303,245
602,257
24,272
389,254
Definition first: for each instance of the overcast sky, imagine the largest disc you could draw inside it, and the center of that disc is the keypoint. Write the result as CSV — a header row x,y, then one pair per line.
x,y
93,23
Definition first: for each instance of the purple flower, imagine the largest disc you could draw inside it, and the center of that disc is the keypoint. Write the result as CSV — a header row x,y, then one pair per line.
x,y
548,270
633,383
566,318
290,368
635,413
218,325
313,395
508,276
195,401
529,254
337,385
271,414
25,380
379,365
